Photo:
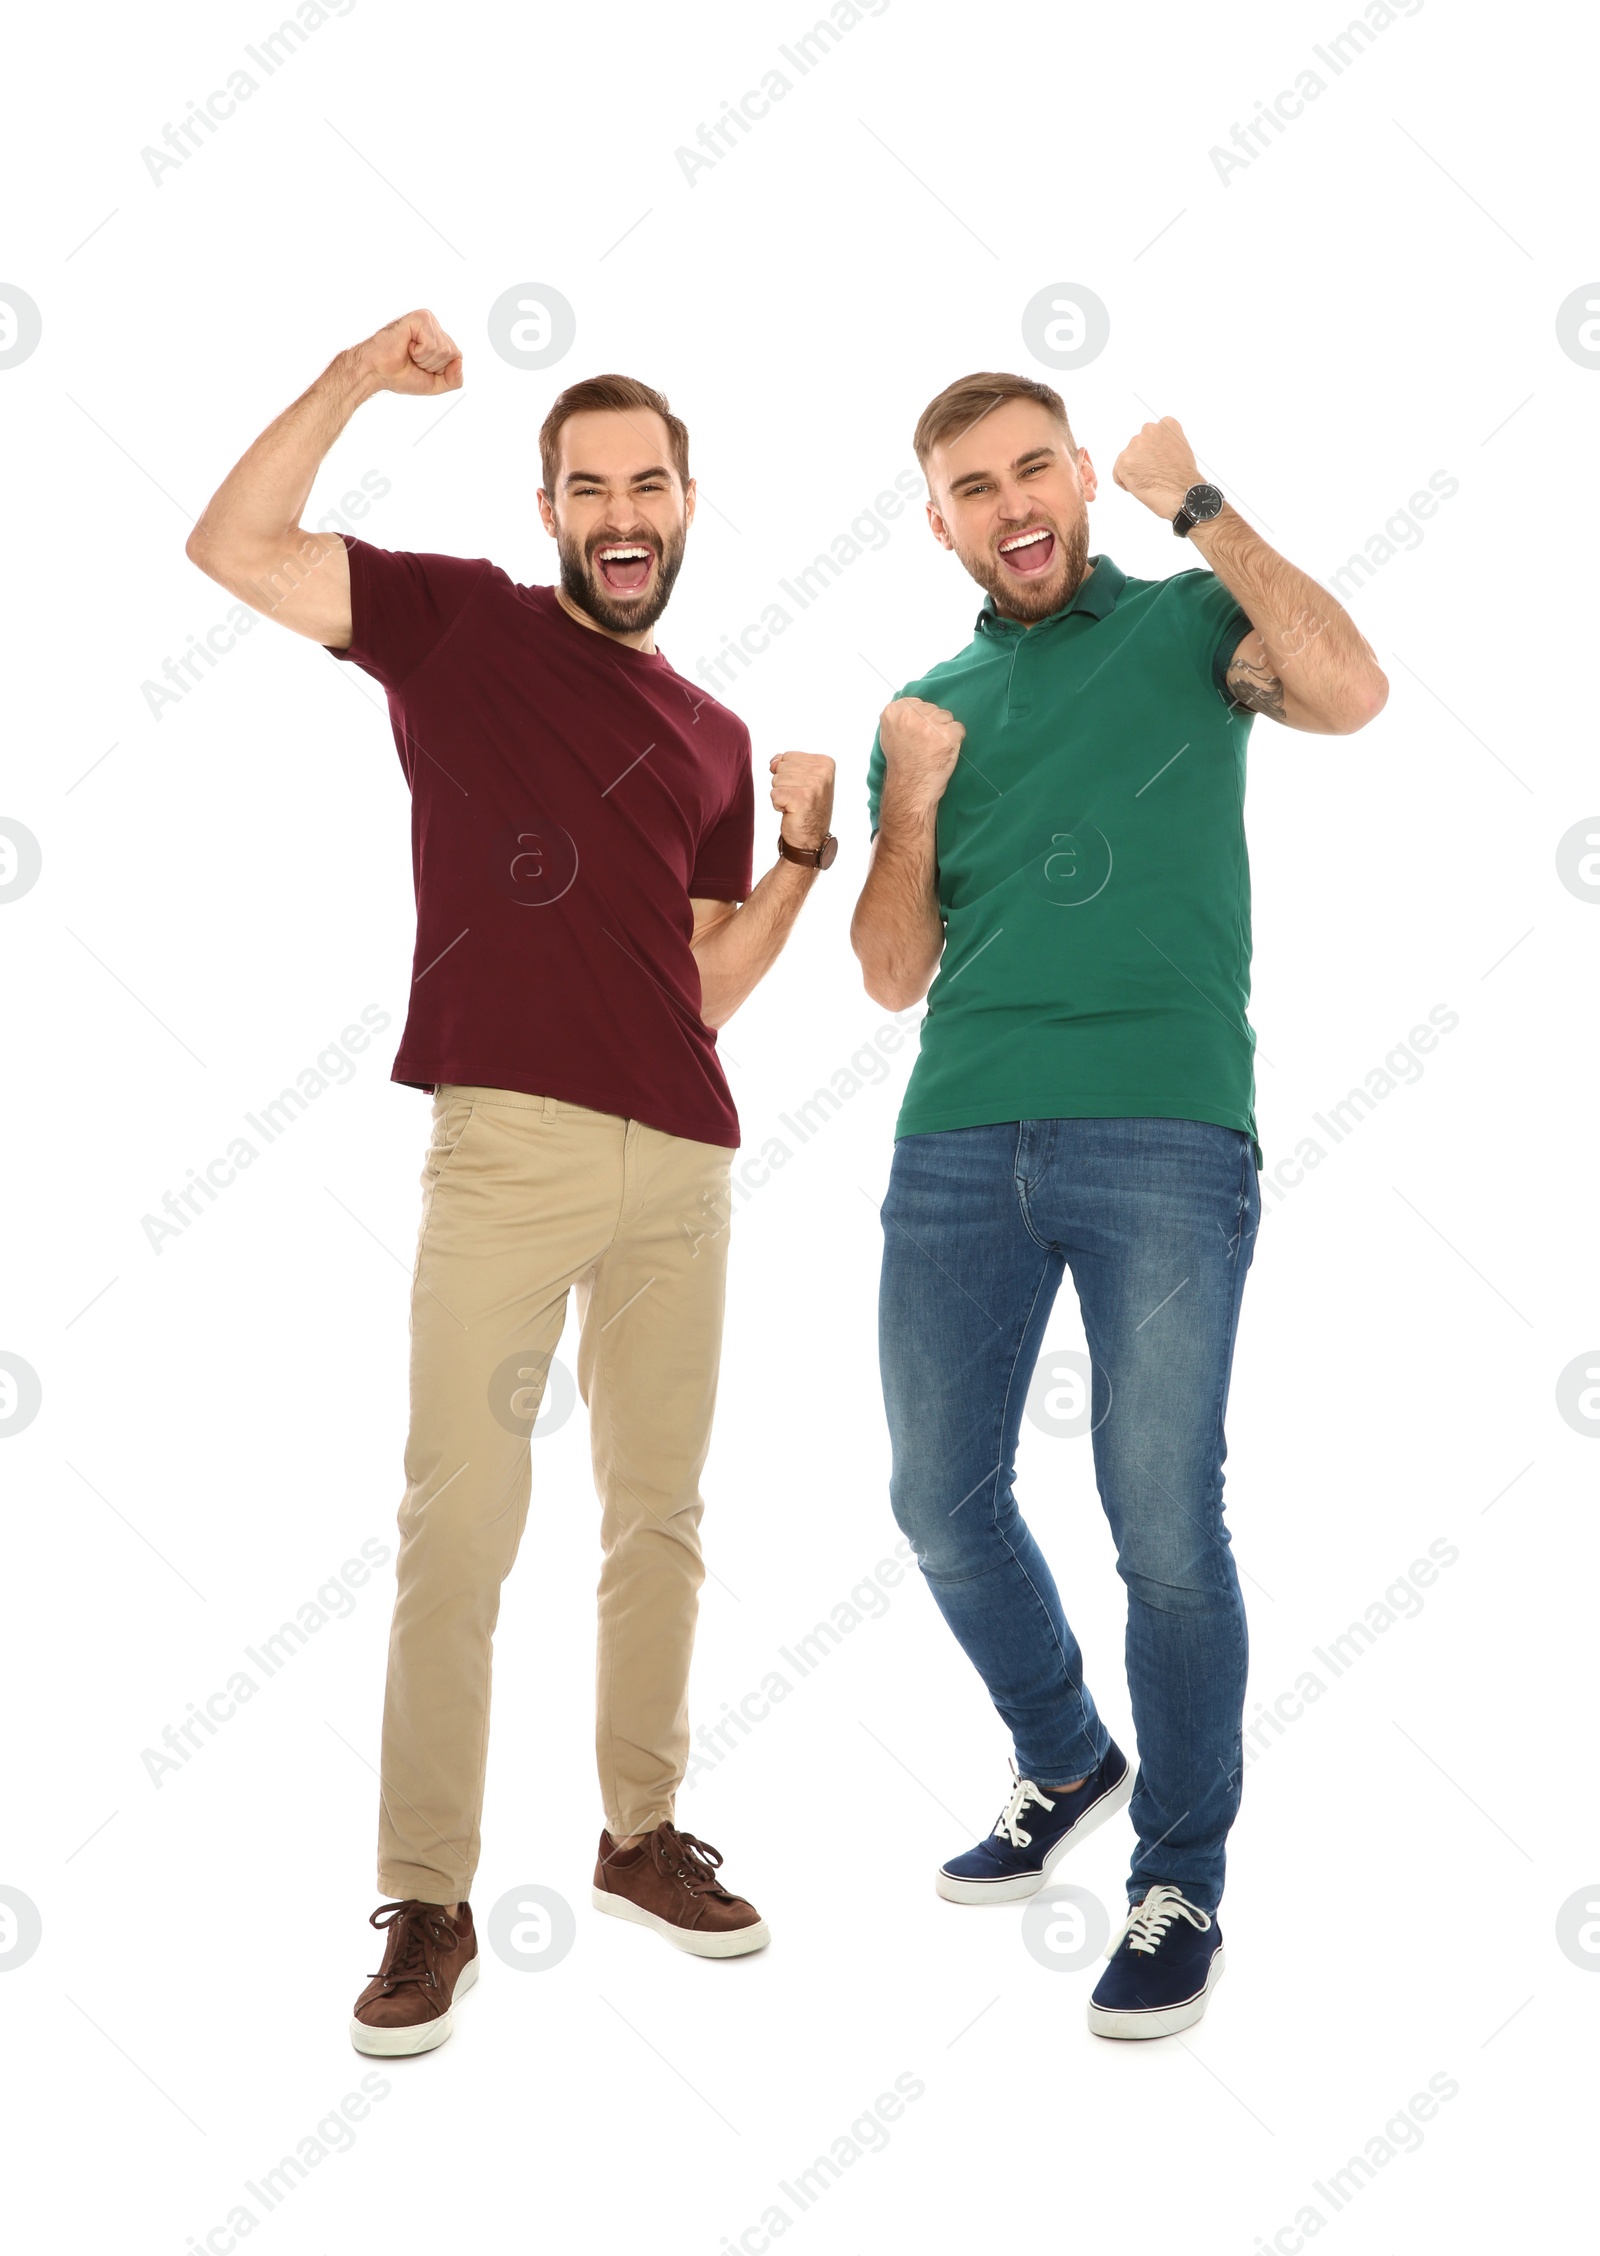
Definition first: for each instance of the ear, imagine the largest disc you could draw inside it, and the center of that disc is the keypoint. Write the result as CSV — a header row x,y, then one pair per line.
x,y
689,492
547,515
938,528
1086,474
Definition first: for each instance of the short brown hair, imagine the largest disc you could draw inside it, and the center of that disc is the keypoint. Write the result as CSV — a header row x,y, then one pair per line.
x,y
970,398
614,392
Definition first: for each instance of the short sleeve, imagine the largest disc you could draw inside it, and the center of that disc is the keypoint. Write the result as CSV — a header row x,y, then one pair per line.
x,y
1220,624
402,605
875,768
723,862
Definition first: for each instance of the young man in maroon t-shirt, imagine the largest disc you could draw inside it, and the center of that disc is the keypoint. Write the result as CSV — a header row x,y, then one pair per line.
x,y
581,837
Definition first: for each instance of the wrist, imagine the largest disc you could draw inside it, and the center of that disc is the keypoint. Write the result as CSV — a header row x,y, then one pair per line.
x,y
908,811
354,376
814,850
1206,535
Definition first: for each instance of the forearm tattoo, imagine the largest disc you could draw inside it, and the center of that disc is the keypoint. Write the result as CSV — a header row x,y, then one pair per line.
x,y
1256,688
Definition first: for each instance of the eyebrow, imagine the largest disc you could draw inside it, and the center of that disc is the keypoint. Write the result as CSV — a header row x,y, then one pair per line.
x,y
597,478
1034,454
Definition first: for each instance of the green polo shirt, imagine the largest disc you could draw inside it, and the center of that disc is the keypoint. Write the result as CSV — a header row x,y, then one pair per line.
x,y
1092,871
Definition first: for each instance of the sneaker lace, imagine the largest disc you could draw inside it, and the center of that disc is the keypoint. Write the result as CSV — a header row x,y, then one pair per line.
x,y
690,1862
1007,1825
1146,1925
422,1928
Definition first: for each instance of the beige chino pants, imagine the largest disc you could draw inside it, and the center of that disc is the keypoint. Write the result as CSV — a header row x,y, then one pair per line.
x,y
525,1198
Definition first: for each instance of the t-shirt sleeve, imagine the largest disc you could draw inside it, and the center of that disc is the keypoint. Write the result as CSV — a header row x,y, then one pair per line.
x,y
1220,624
876,763
723,863
875,768
402,605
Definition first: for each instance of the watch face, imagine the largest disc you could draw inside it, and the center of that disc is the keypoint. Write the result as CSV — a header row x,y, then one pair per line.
x,y
830,847
1202,502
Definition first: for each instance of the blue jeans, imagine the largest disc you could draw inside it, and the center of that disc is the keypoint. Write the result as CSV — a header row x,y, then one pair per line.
x,y
1157,1220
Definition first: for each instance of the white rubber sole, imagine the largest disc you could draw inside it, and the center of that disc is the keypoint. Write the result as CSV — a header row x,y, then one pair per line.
x,y
736,1942
399,2044
1029,1883
1168,2021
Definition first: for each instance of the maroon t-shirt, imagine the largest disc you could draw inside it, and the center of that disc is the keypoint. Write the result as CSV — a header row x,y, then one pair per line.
x,y
569,795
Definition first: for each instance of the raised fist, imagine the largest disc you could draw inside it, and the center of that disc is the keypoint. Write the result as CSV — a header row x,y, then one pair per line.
x,y
1157,466
802,792
413,354
920,743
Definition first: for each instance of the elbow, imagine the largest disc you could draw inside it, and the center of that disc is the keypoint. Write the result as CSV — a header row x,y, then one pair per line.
x,y
888,993
890,981
874,978
201,551
220,557
1365,703
879,987
890,988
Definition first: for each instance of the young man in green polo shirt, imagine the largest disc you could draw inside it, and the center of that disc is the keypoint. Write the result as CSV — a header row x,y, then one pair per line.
x,y
1058,817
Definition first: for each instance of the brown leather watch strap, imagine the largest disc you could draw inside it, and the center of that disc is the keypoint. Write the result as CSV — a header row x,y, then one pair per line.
x,y
810,857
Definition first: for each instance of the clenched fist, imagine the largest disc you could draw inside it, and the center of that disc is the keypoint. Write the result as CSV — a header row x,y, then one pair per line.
x,y
802,792
412,354
1158,467
921,743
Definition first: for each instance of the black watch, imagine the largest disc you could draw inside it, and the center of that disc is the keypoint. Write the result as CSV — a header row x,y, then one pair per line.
x,y
812,857
1200,504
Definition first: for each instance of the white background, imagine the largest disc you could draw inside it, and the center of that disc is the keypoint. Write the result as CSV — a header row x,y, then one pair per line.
x,y
1371,300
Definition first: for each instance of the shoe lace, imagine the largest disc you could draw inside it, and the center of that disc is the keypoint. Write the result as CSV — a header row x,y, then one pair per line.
x,y
690,1862
1146,1925
1007,1825
422,1929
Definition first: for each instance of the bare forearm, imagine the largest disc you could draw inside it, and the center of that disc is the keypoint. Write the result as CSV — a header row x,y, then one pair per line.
x,y
897,931
1313,649
260,501
250,537
736,955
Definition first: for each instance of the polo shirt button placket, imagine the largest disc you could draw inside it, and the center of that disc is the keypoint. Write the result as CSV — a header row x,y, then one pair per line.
x,y
1018,701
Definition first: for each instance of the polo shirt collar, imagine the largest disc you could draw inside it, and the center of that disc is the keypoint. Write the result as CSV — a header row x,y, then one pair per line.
x,y
1097,595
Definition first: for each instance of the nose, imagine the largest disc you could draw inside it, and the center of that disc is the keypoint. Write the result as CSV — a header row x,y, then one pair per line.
x,y
1016,505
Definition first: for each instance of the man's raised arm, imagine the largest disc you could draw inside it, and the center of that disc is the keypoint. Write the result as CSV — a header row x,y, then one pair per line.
x,y
897,931
1304,661
249,536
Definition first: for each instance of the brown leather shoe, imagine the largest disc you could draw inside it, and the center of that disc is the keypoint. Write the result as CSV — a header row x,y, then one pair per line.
x,y
668,1881
429,1960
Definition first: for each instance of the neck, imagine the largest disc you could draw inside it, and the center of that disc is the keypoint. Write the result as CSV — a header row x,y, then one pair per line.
x,y
643,638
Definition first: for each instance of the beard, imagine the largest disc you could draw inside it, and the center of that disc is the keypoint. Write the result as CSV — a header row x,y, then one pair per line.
x,y
1029,600
620,614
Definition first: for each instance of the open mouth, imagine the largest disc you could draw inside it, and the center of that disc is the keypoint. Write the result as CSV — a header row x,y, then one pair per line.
x,y
1030,553
624,566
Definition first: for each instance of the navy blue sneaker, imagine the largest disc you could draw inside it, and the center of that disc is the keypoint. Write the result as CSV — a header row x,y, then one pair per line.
x,y
1016,1860
1164,1966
